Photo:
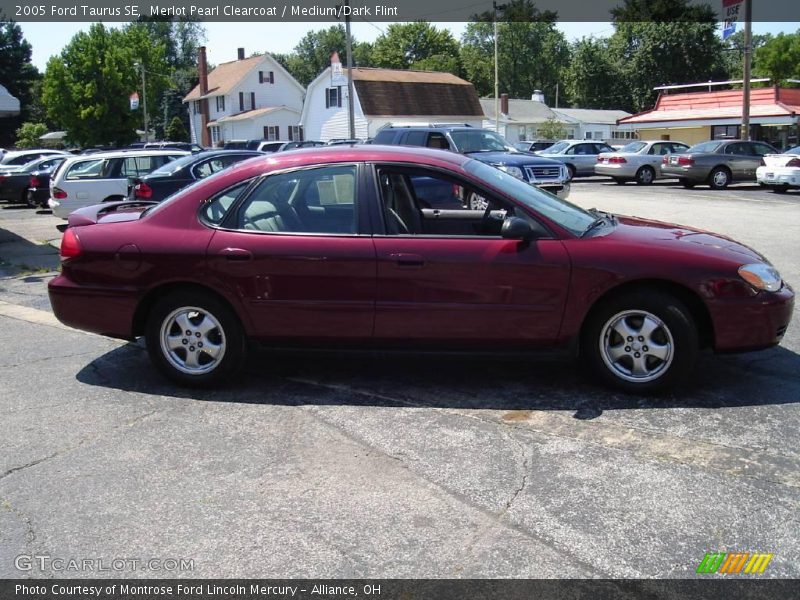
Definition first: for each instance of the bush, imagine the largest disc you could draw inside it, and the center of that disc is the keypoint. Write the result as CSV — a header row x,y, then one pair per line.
x,y
28,135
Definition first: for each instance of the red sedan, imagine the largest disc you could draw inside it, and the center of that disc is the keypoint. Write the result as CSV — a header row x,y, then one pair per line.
x,y
375,247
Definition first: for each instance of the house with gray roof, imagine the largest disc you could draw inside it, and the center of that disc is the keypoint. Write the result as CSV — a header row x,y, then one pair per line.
x,y
9,105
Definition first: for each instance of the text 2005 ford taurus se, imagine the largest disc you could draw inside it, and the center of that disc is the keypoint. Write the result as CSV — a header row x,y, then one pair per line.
x,y
373,247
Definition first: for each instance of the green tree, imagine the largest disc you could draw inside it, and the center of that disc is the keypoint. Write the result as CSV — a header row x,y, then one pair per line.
x,y
552,129
659,42
176,131
86,88
779,57
418,45
732,58
593,78
17,75
525,36
313,53
29,133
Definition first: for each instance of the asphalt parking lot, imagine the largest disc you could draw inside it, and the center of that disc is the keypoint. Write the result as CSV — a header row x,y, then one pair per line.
x,y
354,467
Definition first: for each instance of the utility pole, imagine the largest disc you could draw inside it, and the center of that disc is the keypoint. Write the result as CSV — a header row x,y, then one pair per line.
x,y
748,50
496,75
144,102
350,100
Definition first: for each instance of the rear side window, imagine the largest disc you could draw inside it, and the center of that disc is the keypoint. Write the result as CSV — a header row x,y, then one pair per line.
x,y
208,167
415,138
384,137
139,166
85,169
215,209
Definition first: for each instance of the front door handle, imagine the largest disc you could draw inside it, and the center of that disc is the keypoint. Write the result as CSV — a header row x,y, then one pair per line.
x,y
236,254
403,259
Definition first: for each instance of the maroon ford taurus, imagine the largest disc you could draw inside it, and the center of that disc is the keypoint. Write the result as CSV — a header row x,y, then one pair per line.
x,y
375,247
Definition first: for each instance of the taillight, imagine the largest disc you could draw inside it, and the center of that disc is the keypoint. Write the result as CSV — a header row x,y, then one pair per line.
x,y
617,160
665,160
70,246
2,178
143,191
34,182
59,194
686,161
795,162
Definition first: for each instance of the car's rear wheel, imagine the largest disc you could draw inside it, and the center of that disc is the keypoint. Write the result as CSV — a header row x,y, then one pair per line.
x,y
719,178
640,342
570,172
645,176
195,339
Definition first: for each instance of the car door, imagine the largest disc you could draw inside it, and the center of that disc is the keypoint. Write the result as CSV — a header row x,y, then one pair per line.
x,y
584,157
738,158
446,277
298,253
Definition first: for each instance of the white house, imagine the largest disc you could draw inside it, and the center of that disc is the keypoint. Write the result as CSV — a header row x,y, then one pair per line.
x,y
9,105
248,98
595,124
383,96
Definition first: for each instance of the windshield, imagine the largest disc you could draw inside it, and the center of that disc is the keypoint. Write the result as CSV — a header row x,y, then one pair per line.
x,y
632,147
479,141
704,147
557,148
567,215
174,166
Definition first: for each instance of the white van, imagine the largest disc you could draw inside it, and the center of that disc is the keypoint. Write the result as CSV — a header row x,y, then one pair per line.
x,y
103,177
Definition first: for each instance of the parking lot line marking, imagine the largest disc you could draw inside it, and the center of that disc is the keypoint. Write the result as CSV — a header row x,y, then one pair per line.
x,y
34,315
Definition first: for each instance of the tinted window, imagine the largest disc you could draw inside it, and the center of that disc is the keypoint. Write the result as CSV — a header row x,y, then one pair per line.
x,y
208,167
762,149
215,209
705,147
384,137
415,138
678,148
737,149
307,201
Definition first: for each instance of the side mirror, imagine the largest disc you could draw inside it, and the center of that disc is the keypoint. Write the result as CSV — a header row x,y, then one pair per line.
x,y
516,228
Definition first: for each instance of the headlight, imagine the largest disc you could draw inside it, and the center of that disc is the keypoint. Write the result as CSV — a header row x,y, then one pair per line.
x,y
513,171
761,277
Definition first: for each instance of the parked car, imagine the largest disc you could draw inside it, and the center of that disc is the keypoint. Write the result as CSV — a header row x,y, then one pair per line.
x,y
638,161
716,163
88,179
17,158
270,146
238,144
14,184
533,145
39,186
579,156
166,145
343,141
328,247
781,171
301,144
179,173
485,146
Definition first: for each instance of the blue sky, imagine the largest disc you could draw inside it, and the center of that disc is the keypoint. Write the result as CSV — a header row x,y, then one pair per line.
x,y
224,38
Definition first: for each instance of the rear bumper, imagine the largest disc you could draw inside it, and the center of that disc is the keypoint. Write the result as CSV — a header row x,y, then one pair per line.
x,y
690,173
787,176
58,208
98,310
616,170
744,324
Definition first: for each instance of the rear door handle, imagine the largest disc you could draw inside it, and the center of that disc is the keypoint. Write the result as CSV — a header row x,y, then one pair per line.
x,y
236,254
403,259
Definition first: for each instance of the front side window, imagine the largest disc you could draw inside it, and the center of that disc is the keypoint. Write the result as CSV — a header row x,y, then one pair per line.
x,y
317,200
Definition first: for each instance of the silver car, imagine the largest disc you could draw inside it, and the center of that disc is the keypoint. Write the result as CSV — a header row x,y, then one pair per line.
x,y
580,156
638,161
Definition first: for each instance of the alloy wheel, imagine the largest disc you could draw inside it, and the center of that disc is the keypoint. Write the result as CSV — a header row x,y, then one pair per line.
x,y
636,346
192,340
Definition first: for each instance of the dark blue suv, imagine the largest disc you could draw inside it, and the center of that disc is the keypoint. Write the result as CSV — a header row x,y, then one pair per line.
x,y
486,146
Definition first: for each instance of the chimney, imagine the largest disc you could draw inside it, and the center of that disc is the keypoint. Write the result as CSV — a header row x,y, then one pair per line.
x,y
202,68
537,96
240,52
504,104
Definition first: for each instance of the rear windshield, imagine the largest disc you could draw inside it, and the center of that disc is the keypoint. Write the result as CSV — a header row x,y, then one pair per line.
x,y
705,147
173,166
632,147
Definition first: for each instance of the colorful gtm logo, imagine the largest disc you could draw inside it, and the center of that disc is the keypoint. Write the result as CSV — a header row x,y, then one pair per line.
x,y
734,562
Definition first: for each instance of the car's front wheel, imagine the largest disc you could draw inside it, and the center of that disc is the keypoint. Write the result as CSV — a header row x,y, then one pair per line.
x,y
195,339
719,178
641,341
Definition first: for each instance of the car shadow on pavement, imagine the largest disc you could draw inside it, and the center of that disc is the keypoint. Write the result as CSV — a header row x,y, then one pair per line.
x,y
764,378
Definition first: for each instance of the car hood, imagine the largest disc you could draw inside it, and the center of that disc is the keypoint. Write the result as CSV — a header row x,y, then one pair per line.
x,y
683,239
513,159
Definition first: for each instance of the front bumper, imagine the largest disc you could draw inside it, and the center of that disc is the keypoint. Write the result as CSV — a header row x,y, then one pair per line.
x,y
745,324
788,176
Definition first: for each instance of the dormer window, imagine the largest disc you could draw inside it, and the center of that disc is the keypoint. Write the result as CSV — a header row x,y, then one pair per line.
x,y
220,103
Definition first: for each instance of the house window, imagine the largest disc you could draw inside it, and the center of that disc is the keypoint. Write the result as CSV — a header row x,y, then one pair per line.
x,y
252,100
269,77
272,132
220,103
296,133
261,77
333,97
272,77
725,132
196,106
241,101
215,137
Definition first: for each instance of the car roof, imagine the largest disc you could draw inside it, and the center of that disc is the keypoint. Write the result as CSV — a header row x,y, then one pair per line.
x,y
134,152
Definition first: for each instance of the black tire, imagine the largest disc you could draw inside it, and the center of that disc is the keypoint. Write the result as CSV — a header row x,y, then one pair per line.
x,y
675,338
780,189
686,183
719,178
645,176
229,335
620,180
571,172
